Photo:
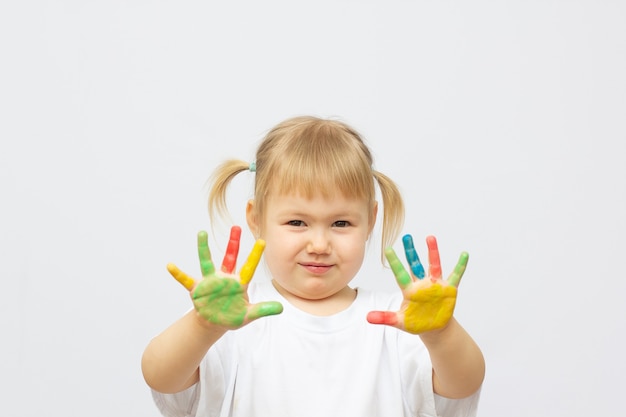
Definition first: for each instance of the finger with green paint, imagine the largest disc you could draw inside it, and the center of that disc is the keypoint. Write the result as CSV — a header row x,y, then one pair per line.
x,y
428,304
221,297
206,263
230,257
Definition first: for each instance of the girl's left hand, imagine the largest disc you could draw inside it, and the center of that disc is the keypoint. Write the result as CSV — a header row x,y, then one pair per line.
x,y
429,300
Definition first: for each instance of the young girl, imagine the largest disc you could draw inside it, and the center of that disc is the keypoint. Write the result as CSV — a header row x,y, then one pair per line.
x,y
305,343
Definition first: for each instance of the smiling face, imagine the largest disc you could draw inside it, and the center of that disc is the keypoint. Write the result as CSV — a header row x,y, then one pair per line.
x,y
315,246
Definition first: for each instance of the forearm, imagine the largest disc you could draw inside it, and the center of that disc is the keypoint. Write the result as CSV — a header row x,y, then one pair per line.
x,y
171,360
458,364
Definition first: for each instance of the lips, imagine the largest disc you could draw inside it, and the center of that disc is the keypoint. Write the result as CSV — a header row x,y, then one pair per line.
x,y
316,268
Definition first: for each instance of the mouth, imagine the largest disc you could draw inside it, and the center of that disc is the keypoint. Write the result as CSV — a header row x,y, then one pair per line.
x,y
316,268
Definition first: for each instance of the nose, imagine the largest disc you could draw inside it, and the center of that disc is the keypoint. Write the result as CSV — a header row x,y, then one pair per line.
x,y
319,242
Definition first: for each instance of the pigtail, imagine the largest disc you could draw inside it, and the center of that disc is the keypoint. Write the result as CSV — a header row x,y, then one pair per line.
x,y
393,210
219,182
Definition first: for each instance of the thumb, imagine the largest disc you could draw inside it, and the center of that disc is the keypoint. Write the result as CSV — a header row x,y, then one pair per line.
x,y
265,308
389,318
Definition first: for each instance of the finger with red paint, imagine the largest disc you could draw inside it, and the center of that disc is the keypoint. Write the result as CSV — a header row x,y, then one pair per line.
x,y
434,262
232,251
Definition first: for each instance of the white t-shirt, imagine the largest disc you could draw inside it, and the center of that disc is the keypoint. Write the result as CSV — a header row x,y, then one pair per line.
x,y
299,365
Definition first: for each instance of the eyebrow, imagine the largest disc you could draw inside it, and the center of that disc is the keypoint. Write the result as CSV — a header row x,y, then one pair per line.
x,y
299,213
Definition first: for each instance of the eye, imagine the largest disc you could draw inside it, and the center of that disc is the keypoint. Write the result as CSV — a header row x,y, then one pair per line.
x,y
341,223
295,223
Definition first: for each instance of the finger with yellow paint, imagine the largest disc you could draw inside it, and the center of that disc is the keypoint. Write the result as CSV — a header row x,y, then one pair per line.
x,y
186,281
247,271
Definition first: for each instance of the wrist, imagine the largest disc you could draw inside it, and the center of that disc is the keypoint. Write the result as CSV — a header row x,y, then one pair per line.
x,y
205,327
437,336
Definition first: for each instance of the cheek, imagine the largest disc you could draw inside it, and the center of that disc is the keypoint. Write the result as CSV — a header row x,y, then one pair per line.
x,y
354,251
361,254
279,250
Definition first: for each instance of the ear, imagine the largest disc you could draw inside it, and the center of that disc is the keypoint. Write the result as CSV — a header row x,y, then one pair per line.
x,y
373,217
252,217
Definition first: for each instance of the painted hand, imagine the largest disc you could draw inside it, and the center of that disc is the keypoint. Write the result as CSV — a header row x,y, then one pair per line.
x,y
428,300
221,297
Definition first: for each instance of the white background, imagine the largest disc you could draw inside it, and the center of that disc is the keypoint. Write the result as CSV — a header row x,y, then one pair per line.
x,y
502,121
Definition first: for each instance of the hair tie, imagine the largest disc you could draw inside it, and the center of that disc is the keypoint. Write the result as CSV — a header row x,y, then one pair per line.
x,y
252,167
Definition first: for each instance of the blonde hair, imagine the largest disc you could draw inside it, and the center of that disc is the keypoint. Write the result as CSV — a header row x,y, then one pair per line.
x,y
313,156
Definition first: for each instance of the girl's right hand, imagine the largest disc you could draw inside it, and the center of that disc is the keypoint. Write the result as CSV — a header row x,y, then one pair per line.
x,y
221,297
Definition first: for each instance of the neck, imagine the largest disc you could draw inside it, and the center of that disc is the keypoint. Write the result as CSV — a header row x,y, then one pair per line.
x,y
328,306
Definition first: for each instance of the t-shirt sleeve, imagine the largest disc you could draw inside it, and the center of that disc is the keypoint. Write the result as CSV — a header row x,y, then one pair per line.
x,y
180,404
465,407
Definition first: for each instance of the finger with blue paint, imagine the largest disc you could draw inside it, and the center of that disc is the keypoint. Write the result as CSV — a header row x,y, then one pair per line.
x,y
412,258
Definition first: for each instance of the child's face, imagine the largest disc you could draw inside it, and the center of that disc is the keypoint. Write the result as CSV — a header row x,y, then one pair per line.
x,y
314,246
